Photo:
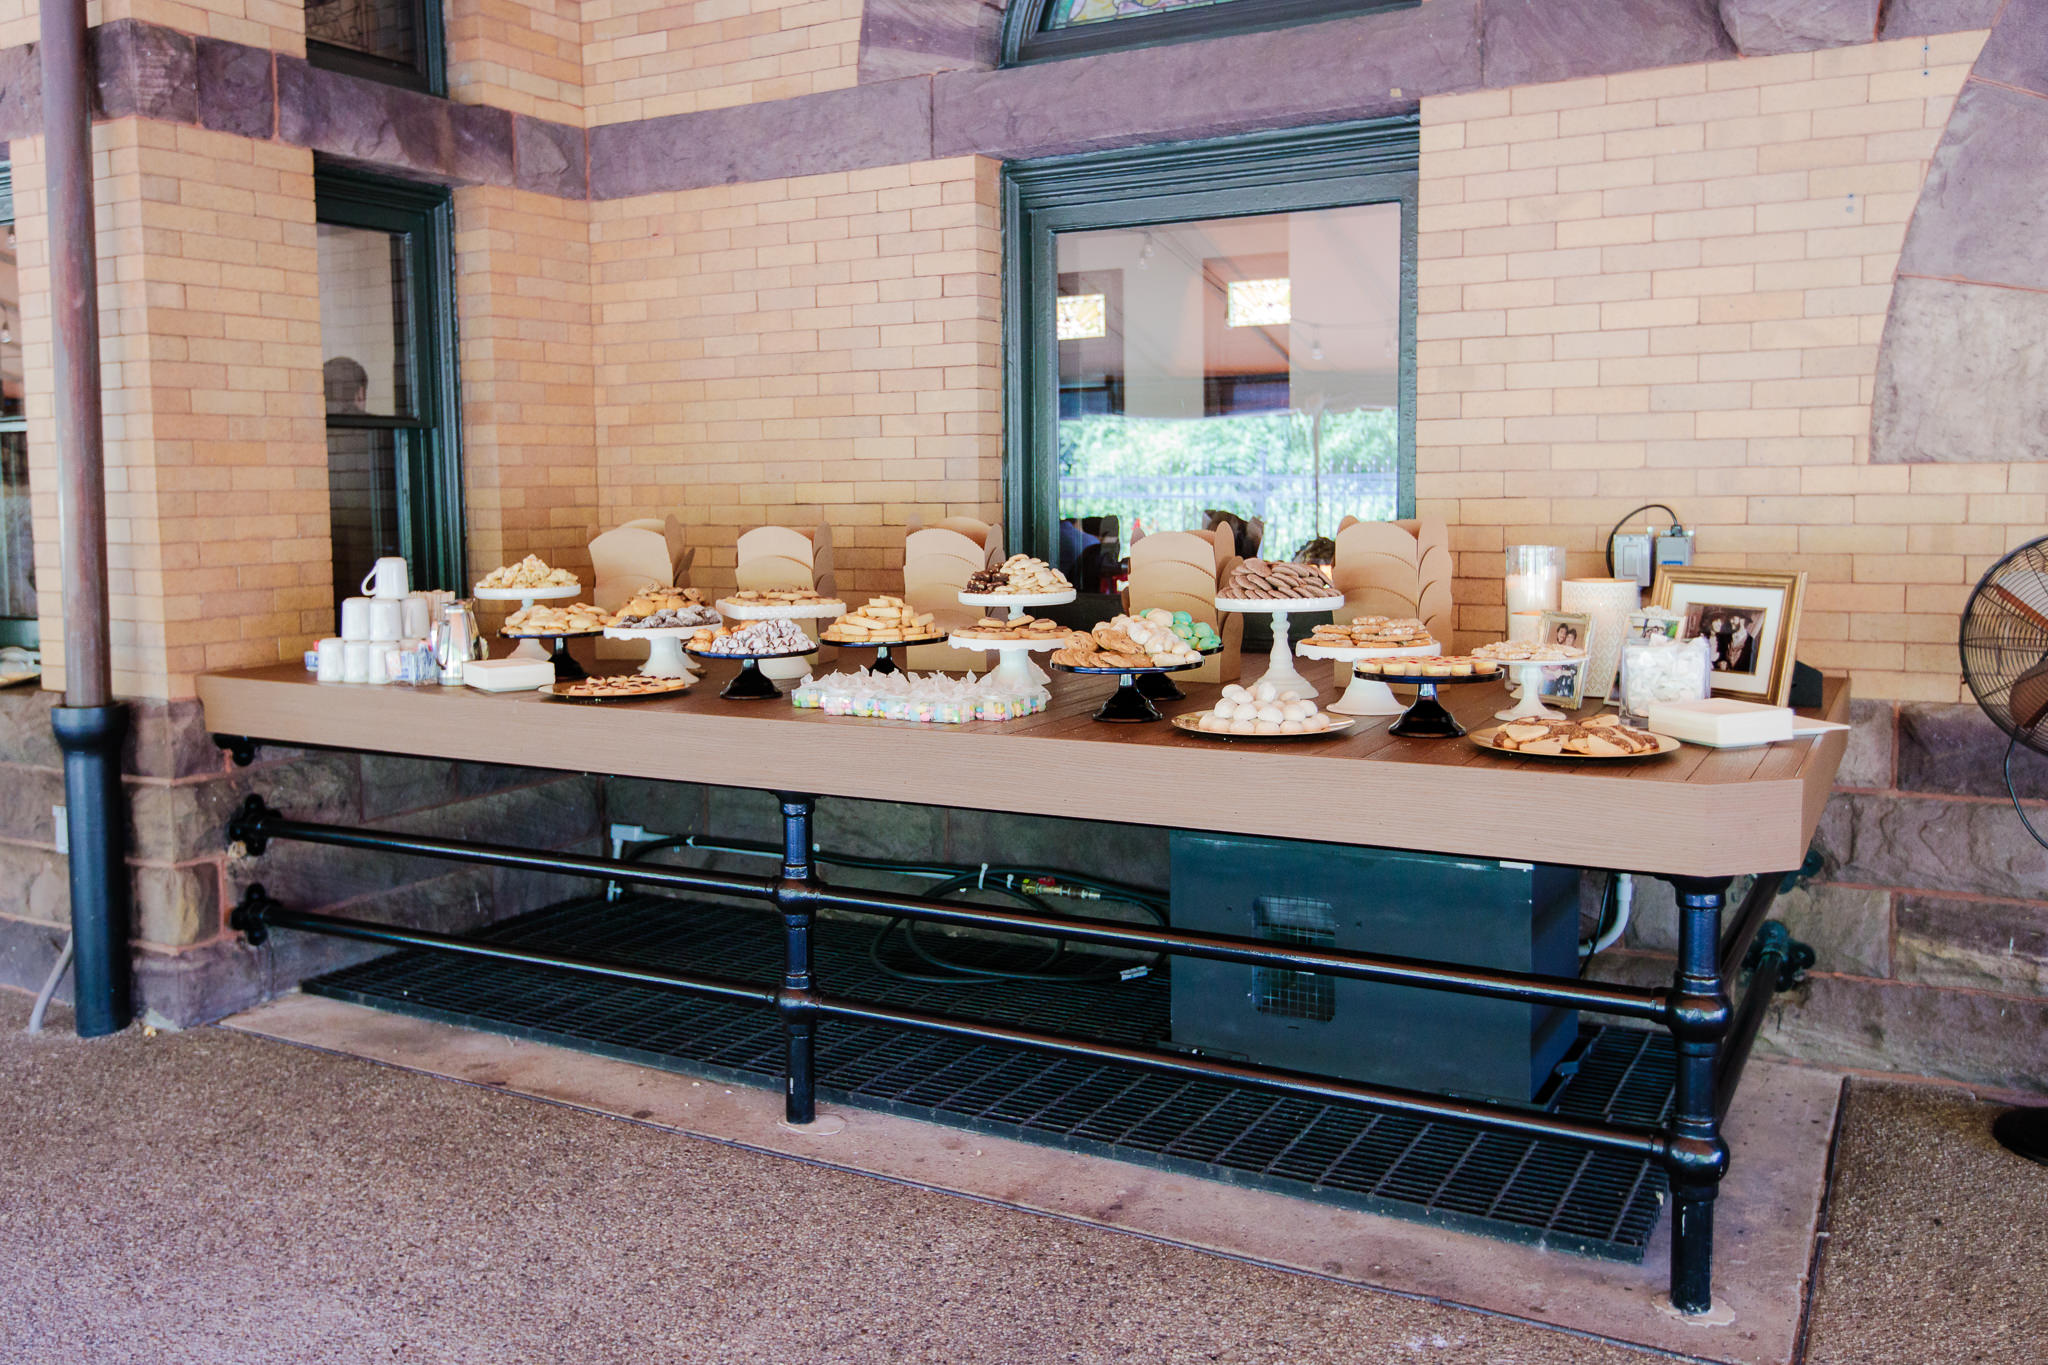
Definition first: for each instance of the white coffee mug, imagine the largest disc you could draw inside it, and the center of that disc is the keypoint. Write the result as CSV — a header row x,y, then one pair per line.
x,y
419,615
387,618
333,662
378,666
355,661
391,577
355,618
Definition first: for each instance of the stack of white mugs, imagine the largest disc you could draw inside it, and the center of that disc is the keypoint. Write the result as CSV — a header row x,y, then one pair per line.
x,y
385,634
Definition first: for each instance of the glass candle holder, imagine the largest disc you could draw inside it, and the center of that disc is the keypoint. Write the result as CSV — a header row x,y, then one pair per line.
x,y
1535,573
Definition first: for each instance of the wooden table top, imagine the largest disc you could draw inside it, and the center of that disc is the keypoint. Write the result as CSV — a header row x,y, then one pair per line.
x,y
1695,812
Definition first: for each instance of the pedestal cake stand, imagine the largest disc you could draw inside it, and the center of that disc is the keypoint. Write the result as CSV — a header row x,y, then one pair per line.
x,y
1367,695
529,645
1013,670
1128,704
1016,601
1282,672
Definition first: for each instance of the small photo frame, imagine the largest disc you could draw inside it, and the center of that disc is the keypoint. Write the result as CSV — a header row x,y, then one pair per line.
x,y
1750,619
1655,624
1564,685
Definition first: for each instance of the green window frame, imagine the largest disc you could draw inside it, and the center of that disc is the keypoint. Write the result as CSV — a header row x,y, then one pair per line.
x,y
14,630
427,72
429,493
1026,38
1366,162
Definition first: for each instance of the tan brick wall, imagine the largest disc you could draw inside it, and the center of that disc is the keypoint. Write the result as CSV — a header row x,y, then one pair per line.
x,y
276,24
527,373
646,58
522,55
1671,285
210,354
827,346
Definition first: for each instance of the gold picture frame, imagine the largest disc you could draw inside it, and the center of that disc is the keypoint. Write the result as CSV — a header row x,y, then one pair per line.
x,y
1752,616
1564,685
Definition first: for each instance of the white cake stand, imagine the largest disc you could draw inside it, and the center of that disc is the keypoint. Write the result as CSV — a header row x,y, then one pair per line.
x,y
1014,669
1282,672
784,669
1367,695
1530,674
665,658
526,597
1018,601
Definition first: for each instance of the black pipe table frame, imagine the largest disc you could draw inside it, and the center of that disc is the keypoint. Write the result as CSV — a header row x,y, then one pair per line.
x,y
1713,1035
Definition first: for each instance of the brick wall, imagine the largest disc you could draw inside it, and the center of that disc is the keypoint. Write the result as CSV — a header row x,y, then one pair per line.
x,y
216,454
646,58
528,421
521,55
1670,285
276,24
781,351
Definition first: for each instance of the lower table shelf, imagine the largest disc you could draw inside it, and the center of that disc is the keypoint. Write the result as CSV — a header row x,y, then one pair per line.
x,y
1525,1189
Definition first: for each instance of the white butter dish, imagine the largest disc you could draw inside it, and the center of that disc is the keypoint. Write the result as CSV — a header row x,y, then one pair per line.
x,y
508,675
1720,722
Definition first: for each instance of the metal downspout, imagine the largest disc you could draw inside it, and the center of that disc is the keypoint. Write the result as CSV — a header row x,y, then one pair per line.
x,y
90,724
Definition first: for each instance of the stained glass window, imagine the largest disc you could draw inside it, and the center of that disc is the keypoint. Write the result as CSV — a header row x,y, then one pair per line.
x,y
1067,13
1083,317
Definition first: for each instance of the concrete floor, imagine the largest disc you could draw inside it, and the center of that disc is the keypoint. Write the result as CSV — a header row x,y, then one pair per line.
x,y
216,1197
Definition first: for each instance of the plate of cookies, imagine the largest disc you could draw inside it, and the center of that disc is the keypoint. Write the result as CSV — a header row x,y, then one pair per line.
x,y
539,622
617,687
1434,668
884,621
1127,644
1602,737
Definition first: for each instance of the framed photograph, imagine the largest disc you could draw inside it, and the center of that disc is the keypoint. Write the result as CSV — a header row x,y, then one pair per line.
x,y
1564,685
1654,625
1750,620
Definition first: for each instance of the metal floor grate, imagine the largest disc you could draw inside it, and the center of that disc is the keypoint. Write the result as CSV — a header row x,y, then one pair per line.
x,y
1526,1189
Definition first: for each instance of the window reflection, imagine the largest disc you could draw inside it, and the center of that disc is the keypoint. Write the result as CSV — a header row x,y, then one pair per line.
x,y
1246,370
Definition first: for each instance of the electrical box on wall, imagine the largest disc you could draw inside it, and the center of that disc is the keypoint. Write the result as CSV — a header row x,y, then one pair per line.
x,y
1506,916
1639,554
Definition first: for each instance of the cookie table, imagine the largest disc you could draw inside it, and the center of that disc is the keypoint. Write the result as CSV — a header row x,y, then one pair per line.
x,y
1697,818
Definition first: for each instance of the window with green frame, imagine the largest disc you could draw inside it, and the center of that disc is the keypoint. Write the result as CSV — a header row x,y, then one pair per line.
x,y
1209,332
387,345
399,42
17,525
1044,30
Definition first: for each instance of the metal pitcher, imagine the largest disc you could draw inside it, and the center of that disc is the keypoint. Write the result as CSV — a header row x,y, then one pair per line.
x,y
457,639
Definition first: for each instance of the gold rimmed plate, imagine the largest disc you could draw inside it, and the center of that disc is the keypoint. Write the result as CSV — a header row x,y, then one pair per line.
x,y
1192,724
1485,740
639,689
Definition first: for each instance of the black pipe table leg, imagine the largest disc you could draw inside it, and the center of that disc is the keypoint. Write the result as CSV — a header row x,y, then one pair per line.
x,y
800,1103
1698,1156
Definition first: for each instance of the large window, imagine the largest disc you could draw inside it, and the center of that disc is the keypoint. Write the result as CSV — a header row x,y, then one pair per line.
x,y
387,344
1212,332
396,41
17,526
1043,30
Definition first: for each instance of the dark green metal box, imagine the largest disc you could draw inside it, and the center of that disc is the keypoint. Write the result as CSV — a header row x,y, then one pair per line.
x,y
1508,916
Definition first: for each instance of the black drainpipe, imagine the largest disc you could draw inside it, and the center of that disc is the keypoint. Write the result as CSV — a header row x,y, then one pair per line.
x,y
90,724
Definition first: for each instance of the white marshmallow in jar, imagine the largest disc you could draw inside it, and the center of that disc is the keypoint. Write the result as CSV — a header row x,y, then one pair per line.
x,y
1659,670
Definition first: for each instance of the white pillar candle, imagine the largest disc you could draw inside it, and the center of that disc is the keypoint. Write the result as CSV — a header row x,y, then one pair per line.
x,y
1533,575
1608,601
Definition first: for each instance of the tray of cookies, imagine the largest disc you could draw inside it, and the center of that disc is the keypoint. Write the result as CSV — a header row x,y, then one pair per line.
x,y
1020,581
1015,632
884,621
1414,670
1263,711
539,622
1602,737
778,604
618,687
1278,586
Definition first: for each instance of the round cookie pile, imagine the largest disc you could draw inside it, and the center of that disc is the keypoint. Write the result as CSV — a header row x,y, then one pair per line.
x,y
577,618
1017,576
1127,642
1600,737
754,639
883,619
1014,628
1277,580
530,572
1262,710
1373,632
